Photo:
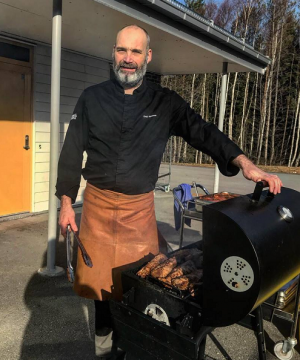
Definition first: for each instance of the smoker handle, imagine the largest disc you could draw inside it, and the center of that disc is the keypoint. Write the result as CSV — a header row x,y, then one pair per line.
x,y
258,191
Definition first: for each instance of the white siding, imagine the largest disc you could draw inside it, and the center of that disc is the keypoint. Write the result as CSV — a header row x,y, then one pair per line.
x,y
78,72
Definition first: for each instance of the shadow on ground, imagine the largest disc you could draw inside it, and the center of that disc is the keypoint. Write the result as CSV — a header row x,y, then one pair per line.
x,y
61,323
190,235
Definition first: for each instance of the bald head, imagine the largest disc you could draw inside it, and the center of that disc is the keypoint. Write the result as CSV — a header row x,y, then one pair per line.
x,y
135,30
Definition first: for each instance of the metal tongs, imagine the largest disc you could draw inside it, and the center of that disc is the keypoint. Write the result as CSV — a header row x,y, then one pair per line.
x,y
86,258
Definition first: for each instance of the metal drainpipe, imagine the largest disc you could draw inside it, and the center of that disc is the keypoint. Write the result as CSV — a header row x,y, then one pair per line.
x,y
221,117
51,269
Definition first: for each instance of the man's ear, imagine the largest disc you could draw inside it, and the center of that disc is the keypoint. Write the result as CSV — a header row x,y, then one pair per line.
x,y
149,56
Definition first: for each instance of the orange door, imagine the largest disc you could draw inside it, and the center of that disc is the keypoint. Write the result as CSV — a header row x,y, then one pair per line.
x,y
15,125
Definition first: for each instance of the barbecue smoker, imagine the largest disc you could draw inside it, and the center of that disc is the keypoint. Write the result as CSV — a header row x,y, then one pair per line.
x,y
251,247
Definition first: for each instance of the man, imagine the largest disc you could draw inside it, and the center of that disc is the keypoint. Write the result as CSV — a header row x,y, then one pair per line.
x,y
124,125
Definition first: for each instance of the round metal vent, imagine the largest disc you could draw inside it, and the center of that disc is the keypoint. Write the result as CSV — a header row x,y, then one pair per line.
x,y
285,213
237,274
157,313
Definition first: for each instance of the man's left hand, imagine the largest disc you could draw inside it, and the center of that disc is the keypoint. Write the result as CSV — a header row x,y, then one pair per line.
x,y
252,172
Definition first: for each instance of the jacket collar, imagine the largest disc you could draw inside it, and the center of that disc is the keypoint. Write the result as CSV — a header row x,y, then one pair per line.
x,y
139,90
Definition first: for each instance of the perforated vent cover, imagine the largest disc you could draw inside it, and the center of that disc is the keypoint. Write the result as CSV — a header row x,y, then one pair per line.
x,y
157,313
237,274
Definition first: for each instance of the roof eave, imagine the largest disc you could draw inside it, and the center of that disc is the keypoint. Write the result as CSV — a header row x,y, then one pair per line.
x,y
163,15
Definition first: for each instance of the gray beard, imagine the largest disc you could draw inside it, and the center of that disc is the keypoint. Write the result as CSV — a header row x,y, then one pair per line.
x,y
128,81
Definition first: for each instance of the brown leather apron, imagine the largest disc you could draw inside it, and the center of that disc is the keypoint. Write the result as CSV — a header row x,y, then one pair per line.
x,y
119,232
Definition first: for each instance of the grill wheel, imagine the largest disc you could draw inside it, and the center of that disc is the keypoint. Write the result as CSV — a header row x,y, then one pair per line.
x,y
279,354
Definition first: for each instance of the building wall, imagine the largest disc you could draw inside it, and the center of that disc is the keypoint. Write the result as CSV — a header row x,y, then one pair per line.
x,y
78,72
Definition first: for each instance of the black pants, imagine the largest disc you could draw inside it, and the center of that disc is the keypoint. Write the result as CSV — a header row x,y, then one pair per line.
x,y
103,323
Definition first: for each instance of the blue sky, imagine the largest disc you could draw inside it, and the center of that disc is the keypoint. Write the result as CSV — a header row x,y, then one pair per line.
x,y
219,1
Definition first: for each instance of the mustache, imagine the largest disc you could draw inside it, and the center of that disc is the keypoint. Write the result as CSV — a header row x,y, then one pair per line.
x,y
127,65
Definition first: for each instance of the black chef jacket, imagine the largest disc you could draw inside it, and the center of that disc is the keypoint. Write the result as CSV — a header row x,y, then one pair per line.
x,y
125,137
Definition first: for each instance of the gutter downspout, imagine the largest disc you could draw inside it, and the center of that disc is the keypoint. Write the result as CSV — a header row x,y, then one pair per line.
x,y
51,269
221,117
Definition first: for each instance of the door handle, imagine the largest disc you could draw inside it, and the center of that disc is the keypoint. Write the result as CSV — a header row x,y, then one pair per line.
x,y
26,147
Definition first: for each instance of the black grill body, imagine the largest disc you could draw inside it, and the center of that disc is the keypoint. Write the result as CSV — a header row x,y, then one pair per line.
x,y
250,250
146,339
139,293
256,234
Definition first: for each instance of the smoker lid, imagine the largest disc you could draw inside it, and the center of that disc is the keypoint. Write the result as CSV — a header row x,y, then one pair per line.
x,y
251,249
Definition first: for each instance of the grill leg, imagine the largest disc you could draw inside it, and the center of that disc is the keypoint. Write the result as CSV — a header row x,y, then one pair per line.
x,y
259,332
201,353
181,230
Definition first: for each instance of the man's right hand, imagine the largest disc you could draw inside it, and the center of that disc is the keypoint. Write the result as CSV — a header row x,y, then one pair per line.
x,y
66,216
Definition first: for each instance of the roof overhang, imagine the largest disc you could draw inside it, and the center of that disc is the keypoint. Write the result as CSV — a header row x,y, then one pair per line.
x,y
182,42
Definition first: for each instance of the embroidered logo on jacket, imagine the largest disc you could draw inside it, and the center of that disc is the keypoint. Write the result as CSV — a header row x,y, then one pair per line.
x,y
149,116
74,117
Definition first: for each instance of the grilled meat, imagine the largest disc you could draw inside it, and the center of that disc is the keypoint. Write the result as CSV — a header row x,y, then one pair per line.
x,y
193,287
146,270
182,254
197,259
160,266
165,268
194,252
180,270
185,281
218,196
